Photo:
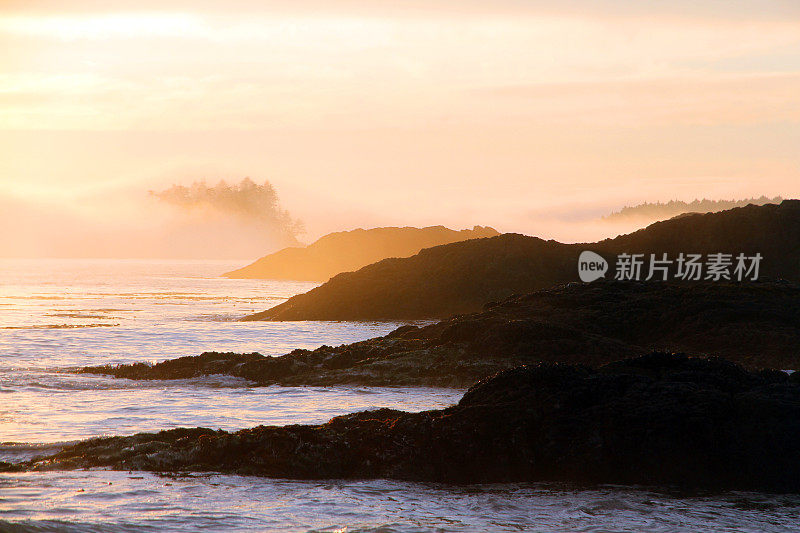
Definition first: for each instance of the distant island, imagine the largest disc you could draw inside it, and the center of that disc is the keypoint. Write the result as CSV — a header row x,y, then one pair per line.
x,y
663,210
345,251
461,277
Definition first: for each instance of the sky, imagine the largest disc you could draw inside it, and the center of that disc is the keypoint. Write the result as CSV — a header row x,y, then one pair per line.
x,y
530,116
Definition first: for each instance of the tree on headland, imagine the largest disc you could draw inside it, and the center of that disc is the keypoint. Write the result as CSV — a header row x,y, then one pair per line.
x,y
660,210
247,201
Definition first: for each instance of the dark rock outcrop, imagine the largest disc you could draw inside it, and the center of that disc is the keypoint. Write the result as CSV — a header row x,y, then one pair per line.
x,y
658,419
461,277
350,250
757,325
436,282
754,324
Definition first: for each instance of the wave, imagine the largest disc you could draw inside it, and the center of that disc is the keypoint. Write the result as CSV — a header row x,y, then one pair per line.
x,y
18,452
61,326
80,315
215,317
40,526
191,296
67,380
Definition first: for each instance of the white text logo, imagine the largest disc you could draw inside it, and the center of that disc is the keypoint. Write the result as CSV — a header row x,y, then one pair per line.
x,y
591,266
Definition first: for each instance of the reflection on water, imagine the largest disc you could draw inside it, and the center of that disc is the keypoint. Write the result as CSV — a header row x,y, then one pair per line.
x,y
40,407
52,313
159,310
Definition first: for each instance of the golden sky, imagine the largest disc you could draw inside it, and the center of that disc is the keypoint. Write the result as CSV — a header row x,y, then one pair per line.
x,y
524,115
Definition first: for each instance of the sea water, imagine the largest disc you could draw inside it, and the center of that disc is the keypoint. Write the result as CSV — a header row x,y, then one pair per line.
x,y
58,315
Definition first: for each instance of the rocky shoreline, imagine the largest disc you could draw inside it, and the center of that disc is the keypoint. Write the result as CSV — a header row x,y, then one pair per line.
x,y
756,325
662,419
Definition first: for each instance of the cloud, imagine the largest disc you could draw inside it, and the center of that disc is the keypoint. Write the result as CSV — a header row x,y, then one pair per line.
x,y
699,100
716,9
110,71
387,107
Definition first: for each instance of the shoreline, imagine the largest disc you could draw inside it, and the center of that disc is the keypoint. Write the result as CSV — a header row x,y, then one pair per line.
x,y
659,419
756,325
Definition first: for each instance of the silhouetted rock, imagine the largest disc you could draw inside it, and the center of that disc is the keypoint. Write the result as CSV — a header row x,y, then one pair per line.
x,y
350,250
658,419
461,277
756,324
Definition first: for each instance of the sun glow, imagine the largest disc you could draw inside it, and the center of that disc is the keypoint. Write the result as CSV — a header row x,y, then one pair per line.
x,y
492,108
126,25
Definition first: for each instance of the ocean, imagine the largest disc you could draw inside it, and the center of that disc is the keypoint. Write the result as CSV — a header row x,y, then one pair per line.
x,y
58,315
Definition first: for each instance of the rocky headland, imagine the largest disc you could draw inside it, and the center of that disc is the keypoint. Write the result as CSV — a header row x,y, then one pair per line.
x,y
661,419
461,277
755,324
345,251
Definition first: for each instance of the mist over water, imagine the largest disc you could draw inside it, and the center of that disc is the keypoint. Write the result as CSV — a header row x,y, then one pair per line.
x,y
239,220
218,219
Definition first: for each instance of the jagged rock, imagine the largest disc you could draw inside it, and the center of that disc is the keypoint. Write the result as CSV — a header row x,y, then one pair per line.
x,y
757,324
658,419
